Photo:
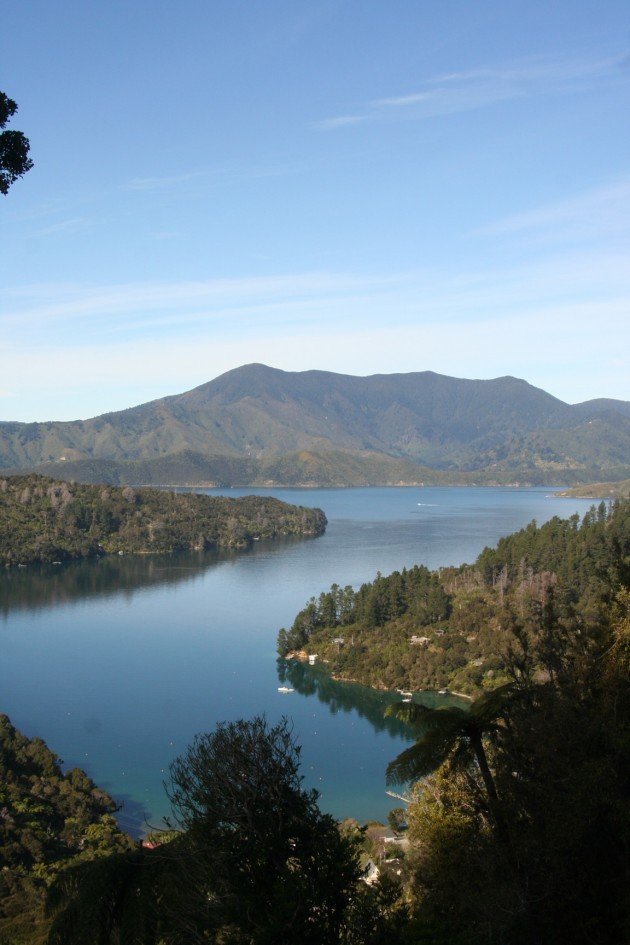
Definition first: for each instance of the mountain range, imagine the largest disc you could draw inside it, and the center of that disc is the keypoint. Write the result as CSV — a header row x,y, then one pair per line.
x,y
258,424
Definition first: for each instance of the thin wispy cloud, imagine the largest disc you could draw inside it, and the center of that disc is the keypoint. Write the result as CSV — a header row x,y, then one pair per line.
x,y
600,210
42,210
404,100
165,337
340,121
221,175
72,225
222,308
542,69
595,220
454,92
69,302
161,183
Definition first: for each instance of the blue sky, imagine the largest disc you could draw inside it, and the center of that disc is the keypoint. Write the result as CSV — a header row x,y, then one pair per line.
x,y
357,186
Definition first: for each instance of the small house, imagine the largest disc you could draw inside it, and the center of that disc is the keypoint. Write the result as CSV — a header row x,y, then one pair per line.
x,y
371,873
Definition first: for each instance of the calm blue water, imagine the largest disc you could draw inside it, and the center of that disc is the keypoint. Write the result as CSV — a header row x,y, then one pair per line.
x,y
117,663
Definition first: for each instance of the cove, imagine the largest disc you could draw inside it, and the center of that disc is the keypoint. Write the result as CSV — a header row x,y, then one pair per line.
x,y
118,663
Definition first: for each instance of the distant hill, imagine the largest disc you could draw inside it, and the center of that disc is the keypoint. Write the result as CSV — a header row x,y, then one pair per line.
x,y
260,424
302,469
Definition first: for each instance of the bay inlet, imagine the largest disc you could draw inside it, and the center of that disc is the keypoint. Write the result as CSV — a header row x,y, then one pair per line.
x,y
117,663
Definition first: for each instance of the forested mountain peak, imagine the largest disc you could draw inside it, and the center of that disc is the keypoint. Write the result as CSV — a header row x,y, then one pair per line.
x,y
428,419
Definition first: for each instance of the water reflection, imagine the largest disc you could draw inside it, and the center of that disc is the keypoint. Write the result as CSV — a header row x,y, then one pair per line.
x,y
48,585
368,703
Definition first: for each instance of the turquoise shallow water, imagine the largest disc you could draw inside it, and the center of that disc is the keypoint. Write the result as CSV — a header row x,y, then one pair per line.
x,y
117,663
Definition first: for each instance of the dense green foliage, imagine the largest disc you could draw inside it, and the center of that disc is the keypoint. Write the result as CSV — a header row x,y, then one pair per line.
x,y
416,594
457,628
523,833
258,424
537,848
48,820
256,862
46,520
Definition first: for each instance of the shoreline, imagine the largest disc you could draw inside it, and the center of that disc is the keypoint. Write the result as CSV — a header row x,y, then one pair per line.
x,y
301,656
344,485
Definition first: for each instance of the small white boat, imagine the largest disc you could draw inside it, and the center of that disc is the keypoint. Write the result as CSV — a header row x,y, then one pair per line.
x,y
285,689
407,699
443,692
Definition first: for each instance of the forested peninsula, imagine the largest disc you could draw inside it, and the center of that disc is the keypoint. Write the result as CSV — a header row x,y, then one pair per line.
x,y
48,520
599,490
462,628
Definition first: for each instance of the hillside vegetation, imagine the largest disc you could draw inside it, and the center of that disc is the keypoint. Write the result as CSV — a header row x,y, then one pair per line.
x,y
259,424
42,519
457,628
518,816
48,820
600,490
304,469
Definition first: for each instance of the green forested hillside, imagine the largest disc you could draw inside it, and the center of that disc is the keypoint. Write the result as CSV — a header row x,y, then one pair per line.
x,y
522,833
46,520
48,820
380,428
338,468
457,628
304,469
518,813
